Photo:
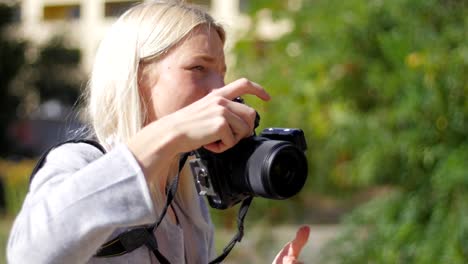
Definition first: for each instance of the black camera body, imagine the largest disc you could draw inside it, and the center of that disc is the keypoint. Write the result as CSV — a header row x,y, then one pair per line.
x,y
272,165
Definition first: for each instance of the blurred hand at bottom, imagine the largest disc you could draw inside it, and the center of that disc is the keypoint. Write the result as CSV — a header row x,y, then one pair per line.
x,y
290,252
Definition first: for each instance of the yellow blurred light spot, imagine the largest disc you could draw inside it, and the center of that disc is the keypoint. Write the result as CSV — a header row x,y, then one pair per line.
x,y
414,60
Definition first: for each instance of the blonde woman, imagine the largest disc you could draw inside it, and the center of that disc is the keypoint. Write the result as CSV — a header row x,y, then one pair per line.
x,y
157,90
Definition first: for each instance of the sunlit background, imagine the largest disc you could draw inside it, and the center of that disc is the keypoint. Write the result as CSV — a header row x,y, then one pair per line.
x,y
379,87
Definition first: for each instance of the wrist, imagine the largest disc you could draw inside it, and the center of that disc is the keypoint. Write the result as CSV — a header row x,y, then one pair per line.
x,y
154,147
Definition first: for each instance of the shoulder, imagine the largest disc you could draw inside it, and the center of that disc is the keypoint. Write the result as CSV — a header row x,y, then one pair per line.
x,y
73,155
62,160
65,158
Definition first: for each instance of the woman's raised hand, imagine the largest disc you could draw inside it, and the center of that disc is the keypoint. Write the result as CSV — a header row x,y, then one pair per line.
x,y
215,121
290,252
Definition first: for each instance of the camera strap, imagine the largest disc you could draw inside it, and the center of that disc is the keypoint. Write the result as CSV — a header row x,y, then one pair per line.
x,y
137,237
240,230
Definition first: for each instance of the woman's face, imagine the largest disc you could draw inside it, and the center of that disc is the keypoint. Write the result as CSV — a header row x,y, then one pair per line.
x,y
187,73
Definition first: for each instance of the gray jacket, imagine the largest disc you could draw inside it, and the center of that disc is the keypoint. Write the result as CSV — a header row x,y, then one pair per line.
x,y
82,198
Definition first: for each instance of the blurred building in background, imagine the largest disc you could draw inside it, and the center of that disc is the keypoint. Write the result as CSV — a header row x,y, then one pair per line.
x,y
84,22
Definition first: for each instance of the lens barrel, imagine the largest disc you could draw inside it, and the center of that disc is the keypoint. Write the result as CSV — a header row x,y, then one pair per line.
x,y
276,169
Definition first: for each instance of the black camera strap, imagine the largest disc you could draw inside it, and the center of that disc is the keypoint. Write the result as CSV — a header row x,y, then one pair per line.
x,y
240,230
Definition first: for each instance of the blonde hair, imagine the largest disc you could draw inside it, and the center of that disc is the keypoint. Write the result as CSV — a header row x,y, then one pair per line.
x,y
143,33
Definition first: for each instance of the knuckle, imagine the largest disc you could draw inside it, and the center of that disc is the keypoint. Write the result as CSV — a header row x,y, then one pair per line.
x,y
221,111
219,100
252,114
244,81
221,124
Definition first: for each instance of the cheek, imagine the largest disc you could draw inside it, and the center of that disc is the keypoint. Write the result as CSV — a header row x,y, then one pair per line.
x,y
195,90
188,88
176,92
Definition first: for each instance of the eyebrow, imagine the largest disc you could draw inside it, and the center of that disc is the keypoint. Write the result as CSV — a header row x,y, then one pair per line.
x,y
204,57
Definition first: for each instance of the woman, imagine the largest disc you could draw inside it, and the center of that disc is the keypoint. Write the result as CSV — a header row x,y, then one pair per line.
x,y
157,90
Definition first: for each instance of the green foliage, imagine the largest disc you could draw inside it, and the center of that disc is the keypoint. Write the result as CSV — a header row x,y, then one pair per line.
x,y
15,179
381,91
5,225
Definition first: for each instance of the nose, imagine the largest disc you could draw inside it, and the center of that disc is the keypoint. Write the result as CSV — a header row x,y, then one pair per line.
x,y
216,82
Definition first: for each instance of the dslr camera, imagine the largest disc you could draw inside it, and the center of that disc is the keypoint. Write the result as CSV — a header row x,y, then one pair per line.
x,y
272,165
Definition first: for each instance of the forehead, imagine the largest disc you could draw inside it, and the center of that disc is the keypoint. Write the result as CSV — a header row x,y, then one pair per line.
x,y
202,39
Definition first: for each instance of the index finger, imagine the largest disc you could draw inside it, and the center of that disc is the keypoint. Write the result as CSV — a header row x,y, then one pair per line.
x,y
240,87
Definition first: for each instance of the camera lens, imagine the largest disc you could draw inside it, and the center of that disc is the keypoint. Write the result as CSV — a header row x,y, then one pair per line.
x,y
286,171
277,170
283,169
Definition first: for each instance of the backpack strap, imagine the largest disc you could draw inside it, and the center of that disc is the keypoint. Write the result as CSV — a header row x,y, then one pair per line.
x,y
41,160
133,238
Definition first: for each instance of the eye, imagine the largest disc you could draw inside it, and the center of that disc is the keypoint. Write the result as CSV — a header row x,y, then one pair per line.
x,y
198,68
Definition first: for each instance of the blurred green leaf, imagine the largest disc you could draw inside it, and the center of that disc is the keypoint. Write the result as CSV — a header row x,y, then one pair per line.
x,y
380,89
